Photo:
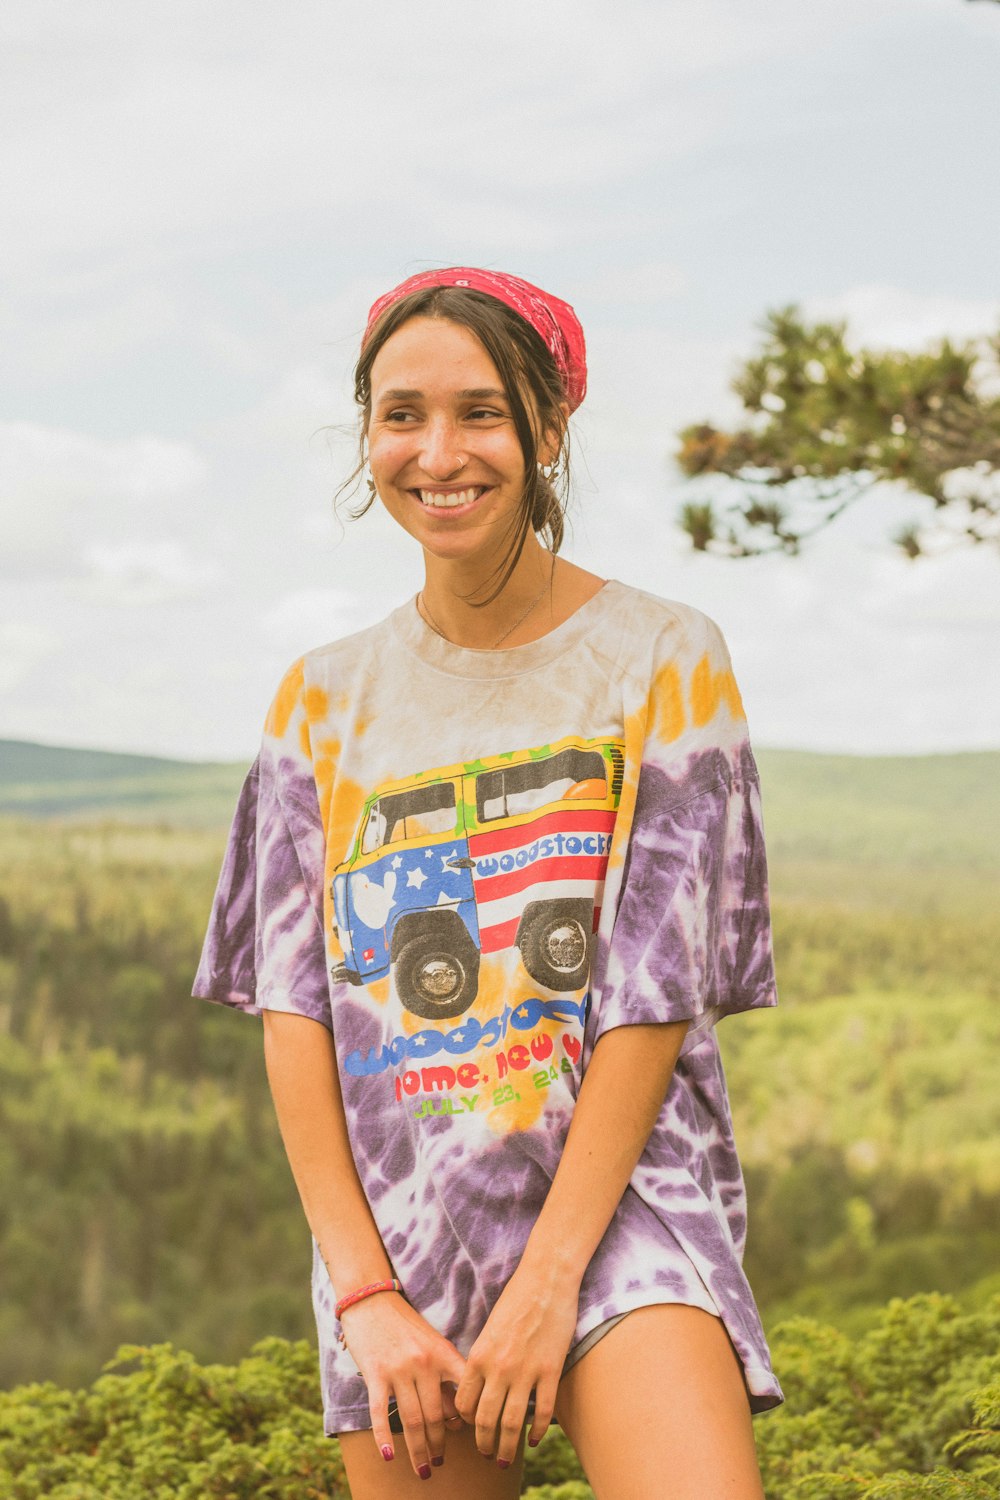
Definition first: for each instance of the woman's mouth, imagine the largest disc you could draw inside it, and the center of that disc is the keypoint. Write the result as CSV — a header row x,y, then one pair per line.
x,y
450,499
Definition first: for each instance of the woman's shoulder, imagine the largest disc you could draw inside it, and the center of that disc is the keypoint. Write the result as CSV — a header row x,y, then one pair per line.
x,y
352,647
305,687
669,627
334,658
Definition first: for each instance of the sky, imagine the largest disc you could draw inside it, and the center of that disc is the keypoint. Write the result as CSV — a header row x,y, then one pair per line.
x,y
198,203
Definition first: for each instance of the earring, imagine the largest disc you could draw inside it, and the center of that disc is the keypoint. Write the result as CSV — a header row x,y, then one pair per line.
x,y
548,471
371,484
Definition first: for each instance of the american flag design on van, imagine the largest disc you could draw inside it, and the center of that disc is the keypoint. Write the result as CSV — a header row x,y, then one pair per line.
x,y
558,854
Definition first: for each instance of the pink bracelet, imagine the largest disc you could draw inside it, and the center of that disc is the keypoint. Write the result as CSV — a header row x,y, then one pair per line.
x,y
366,1291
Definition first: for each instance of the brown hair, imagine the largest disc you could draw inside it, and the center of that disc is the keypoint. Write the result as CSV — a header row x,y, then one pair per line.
x,y
534,389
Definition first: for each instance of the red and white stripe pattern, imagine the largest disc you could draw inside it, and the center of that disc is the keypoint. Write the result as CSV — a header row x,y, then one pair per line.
x,y
558,854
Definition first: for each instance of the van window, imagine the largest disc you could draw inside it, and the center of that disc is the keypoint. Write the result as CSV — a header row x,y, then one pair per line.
x,y
419,812
374,833
536,783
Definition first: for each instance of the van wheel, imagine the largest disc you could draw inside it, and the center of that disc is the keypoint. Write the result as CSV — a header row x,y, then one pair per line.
x,y
435,979
555,944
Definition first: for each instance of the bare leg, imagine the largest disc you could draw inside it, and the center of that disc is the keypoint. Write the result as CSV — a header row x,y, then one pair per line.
x,y
464,1472
657,1410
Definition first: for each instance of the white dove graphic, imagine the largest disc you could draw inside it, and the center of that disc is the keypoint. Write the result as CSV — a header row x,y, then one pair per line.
x,y
373,902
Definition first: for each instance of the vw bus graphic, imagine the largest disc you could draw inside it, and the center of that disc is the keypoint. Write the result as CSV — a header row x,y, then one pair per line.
x,y
441,867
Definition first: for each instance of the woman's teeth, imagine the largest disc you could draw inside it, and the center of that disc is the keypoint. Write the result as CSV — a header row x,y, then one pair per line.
x,y
448,501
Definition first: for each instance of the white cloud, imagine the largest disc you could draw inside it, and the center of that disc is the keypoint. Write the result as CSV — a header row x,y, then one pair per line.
x,y
305,406
63,490
133,574
150,125
313,616
647,284
23,646
894,317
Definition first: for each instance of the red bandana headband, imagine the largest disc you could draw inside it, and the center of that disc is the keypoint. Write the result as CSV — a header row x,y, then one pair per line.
x,y
555,322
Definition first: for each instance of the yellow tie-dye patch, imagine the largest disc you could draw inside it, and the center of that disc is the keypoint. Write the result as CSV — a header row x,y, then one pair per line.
x,y
668,714
316,703
326,756
285,701
710,689
519,1114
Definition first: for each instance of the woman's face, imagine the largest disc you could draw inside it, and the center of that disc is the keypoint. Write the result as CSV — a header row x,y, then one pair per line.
x,y
442,446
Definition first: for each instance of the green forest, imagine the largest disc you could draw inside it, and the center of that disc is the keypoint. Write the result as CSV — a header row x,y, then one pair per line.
x,y
155,1323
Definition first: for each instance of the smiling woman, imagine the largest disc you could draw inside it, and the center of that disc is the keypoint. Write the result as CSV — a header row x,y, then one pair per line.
x,y
500,382
497,871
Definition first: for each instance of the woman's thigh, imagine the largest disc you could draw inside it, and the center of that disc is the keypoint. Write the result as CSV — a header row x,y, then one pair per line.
x,y
464,1473
657,1410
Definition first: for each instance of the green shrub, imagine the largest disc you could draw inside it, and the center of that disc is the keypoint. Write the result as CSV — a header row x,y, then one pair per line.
x,y
910,1409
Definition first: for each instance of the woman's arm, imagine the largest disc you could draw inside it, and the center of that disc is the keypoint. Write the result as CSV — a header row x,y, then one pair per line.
x,y
527,1336
396,1350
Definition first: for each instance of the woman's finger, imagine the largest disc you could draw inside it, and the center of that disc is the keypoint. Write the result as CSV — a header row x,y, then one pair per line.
x,y
511,1426
467,1395
432,1406
412,1417
488,1410
545,1403
378,1406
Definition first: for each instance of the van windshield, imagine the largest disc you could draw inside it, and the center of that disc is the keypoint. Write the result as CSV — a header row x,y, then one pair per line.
x,y
419,812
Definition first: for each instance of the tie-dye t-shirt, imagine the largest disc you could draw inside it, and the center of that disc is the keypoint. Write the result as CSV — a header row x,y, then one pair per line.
x,y
469,865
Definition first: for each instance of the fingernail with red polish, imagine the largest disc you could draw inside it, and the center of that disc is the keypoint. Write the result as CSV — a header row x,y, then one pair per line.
x,y
437,1462
503,1463
387,1452
533,1442
424,1471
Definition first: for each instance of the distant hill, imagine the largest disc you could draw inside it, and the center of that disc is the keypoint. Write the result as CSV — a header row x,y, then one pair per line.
x,y
908,812
893,810
49,781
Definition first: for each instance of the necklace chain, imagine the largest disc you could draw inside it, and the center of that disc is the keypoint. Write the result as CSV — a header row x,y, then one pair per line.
x,y
500,639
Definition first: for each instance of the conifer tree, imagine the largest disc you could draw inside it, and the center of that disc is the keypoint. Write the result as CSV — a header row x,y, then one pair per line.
x,y
827,422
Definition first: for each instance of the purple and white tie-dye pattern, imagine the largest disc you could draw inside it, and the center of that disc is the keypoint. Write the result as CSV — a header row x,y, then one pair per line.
x,y
456,1157
264,949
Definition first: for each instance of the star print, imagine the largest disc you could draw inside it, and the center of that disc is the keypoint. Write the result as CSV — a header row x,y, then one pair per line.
x,y
524,1012
428,854
415,877
418,1041
446,861
397,862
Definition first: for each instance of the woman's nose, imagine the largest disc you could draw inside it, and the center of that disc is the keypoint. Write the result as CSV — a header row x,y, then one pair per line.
x,y
441,455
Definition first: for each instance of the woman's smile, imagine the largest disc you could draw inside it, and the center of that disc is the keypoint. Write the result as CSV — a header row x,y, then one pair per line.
x,y
449,501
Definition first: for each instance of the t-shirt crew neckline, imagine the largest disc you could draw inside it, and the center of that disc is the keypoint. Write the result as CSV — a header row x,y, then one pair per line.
x,y
412,630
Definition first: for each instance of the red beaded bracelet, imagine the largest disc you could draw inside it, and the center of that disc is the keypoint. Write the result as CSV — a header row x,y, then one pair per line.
x,y
367,1291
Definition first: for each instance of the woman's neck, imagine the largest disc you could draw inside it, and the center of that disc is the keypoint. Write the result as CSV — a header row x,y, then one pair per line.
x,y
541,592
449,599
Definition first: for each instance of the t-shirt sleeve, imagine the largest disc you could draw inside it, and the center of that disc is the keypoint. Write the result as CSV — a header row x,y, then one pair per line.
x,y
691,938
264,947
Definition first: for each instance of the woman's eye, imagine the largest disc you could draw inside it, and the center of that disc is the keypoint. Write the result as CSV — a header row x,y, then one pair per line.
x,y
485,412
398,416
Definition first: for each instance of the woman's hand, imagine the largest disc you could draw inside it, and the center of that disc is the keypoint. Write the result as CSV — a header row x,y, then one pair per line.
x,y
400,1355
521,1349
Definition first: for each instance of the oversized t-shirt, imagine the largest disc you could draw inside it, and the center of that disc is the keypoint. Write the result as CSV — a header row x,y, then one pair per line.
x,y
470,865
